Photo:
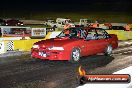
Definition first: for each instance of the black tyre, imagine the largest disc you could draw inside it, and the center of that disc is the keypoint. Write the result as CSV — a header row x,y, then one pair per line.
x,y
108,50
75,55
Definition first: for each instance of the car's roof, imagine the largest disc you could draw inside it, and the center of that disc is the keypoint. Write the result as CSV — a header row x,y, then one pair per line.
x,y
86,28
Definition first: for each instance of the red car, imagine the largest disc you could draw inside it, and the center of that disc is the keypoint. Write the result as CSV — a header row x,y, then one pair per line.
x,y
14,22
74,43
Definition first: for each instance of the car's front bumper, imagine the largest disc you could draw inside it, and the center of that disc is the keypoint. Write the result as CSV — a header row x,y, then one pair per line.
x,y
49,55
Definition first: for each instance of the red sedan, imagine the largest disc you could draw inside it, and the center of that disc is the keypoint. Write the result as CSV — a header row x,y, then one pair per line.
x,y
73,43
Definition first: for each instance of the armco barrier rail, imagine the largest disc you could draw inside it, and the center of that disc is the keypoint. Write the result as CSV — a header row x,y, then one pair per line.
x,y
2,47
22,45
26,45
121,34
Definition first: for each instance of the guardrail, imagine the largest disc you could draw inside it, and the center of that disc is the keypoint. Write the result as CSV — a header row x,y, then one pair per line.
x,y
26,45
121,34
22,45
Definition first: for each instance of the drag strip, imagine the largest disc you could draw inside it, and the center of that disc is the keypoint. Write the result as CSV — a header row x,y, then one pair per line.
x,y
28,73
48,74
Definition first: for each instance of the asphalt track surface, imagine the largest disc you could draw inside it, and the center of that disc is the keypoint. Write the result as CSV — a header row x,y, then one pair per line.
x,y
25,72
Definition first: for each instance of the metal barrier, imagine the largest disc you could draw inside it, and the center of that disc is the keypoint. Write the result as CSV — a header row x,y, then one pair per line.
x,y
2,47
121,34
26,45
22,45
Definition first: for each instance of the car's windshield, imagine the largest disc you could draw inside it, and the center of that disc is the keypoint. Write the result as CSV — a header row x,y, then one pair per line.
x,y
71,33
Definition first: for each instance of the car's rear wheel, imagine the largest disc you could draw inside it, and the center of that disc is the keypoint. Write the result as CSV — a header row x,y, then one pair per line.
x,y
75,55
108,50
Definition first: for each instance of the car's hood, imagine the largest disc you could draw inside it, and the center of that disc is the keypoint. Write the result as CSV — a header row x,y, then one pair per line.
x,y
56,42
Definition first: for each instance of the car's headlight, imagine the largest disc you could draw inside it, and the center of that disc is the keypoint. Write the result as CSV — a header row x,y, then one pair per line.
x,y
35,46
56,48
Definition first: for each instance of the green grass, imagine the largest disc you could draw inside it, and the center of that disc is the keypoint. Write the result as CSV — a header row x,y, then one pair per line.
x,y
75,16
37,26
121,17
124,17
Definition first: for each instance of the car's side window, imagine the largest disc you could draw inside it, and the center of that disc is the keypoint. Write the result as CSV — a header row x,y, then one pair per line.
x,y
83,34
91,35
101,34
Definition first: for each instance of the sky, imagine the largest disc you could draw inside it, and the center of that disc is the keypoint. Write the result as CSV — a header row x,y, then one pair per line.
x,y
65,5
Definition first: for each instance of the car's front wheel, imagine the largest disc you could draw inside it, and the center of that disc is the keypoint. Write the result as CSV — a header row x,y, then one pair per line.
x,y
108,50
75,55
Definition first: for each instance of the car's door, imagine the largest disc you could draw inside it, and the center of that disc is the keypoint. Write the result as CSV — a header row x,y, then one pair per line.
x,y
91,43
102,40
